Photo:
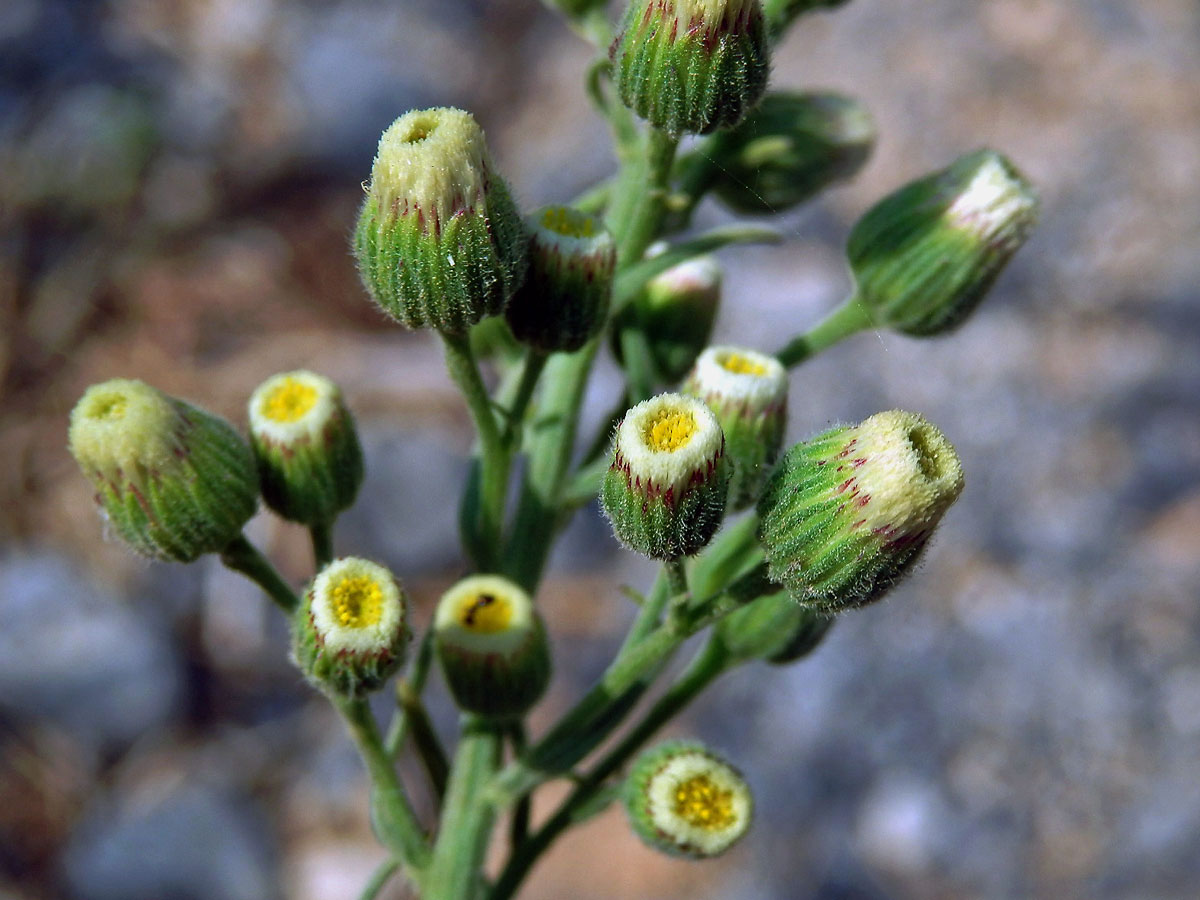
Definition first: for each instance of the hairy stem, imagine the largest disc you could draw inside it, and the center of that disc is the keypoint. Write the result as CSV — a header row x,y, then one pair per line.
x,y
242,556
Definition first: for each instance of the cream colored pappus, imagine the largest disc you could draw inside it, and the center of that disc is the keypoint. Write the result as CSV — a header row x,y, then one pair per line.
x,y
434,161
991,202
667,441
123,425
736,375
357,607
485,614
909,474
292,407
699,802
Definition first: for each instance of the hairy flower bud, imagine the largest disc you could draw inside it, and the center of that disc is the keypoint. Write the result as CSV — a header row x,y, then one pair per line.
x,y
789,149
351,628
924,256
665,492
564,300
747,392
684,800
691,66
492,646
439,240
846,514
174,481
310,463
675,312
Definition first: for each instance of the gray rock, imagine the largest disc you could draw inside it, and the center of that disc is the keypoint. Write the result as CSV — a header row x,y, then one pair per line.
x,y
73,655
194,843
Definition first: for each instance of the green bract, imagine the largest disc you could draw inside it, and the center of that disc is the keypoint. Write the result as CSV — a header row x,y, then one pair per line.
x,y
175,482
439,240
309,460
691,66
564,300
846,514
789,149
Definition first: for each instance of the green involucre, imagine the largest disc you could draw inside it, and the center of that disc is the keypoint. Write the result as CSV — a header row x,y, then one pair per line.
x,y
445,275
690,77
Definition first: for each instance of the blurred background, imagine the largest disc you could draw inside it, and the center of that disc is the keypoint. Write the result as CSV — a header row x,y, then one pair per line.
x,y
1021,719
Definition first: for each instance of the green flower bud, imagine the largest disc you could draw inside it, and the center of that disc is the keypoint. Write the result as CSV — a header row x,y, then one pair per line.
x,y
691,66
564,300
309,460
924,256
846,514
747,391
676,312
492,646
774,628
665,492
684,800
789,149
351,628
174,481
439,240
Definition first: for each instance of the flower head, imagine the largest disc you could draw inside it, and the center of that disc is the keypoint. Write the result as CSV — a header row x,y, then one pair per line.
x,y
685,800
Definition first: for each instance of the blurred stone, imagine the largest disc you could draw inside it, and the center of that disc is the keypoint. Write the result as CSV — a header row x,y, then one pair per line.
x,y
73,655
193,843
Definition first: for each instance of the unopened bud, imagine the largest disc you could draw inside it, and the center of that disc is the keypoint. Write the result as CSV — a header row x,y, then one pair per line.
x,y
847,514
691,66
309,460
439,240
564,300
492,646
666,489
789,149
747,392
174,481
925,256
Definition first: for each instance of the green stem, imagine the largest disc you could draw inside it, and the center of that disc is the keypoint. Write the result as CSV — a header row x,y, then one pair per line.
x,y
592,719
637,211
460,361
650,614
639,370
466,820
553,437
676,578
725,557
379,879
322,543
519,832
707,665
395,823
535,361
412,683
241,556
849,318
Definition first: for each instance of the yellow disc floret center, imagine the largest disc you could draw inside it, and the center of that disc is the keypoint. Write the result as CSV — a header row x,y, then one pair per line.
x,y
419,129
290,401
670,430
702,803
108,407
928,451
357,601
742,365
562,220
485,613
